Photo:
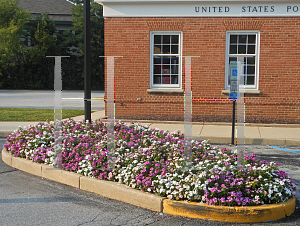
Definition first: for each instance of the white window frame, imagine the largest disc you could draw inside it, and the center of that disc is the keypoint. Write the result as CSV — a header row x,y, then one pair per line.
x,y
166,86
257,47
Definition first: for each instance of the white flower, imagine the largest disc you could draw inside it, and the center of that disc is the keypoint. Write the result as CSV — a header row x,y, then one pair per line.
x,y
270,191
162,190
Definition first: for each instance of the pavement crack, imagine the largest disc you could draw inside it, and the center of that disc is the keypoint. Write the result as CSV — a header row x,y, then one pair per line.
x,y
114,218
9,171
90,220
259,132
201,129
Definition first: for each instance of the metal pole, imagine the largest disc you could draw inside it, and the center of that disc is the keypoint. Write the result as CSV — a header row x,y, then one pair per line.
x,y
233,121
87,61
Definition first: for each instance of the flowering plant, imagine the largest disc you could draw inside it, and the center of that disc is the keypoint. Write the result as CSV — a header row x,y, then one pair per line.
x,y
153,161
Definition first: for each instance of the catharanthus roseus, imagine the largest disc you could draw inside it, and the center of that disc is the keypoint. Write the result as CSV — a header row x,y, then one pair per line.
x,y
153,161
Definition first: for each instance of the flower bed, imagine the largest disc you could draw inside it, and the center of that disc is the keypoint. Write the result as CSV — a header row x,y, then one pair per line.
x,y
153,161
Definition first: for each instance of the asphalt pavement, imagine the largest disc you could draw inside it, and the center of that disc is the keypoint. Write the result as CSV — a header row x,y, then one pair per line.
x,y
45,99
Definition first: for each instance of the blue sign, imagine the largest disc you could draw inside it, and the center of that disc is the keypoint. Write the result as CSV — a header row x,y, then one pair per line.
x,y
234,96
234,72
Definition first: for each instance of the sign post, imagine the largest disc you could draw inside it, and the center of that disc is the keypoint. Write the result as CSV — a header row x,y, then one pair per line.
x,y
87,61
236,75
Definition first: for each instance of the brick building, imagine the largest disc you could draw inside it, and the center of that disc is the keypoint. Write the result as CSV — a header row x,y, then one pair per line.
x,y
155,36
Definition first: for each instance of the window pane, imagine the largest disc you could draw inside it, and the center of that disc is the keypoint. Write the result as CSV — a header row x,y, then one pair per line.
x,y
232,59
165,60
157,49
174,49
242,39
157,69
251,49
157,39
175,39
251,70
166,39
174,79
250,80
166,49
174,60
166,69
157,60
251,39
166,79
174,69
251,60
233,49
233,39
242,49
157,79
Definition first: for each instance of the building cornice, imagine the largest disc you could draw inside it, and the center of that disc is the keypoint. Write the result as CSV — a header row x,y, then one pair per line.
x,y
200,8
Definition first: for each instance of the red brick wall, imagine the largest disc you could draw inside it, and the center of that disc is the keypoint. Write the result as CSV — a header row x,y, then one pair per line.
x,y
279,65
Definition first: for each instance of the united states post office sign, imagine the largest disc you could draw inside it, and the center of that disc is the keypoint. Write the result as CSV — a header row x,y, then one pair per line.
x,y
225,8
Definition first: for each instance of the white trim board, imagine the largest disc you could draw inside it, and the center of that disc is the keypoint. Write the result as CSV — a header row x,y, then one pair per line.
x,y
266,8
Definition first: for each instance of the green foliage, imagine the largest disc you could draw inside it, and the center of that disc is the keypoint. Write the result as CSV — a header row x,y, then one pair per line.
x,y
12,24
24,45
97,41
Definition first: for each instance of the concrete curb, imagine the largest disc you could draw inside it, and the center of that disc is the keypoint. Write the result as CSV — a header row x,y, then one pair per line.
x,y
107,189
153,202
253,214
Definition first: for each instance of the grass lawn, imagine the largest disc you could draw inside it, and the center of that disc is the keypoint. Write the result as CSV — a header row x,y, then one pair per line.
x,y
34,115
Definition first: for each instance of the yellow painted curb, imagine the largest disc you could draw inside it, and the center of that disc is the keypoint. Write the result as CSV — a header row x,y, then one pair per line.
x,y
253,214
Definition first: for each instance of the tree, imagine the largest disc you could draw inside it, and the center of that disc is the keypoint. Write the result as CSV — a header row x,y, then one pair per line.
x,y
32,70
25,66
97,40
13,20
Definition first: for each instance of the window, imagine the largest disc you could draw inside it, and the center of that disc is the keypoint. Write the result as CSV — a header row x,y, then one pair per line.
x,y
243,46
165,60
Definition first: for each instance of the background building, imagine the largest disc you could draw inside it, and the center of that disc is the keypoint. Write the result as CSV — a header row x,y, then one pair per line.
x,y
59,11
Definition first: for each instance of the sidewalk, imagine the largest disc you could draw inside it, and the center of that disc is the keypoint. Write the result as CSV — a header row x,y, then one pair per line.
x,y
257,134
